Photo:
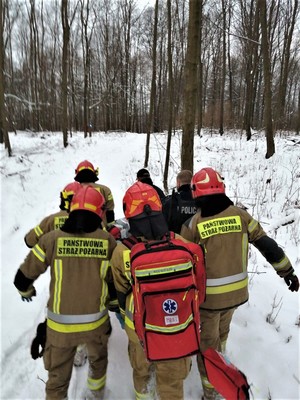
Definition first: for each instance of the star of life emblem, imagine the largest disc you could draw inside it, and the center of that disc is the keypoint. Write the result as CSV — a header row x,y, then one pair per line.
x,y
170,307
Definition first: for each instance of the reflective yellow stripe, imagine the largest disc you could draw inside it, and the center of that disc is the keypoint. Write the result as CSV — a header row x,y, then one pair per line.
x,y
27,293
96,384
163,270
169,329
71,328
282,264
219,226
113,302
227,288
75,318
122,312
104,291
226,280
252,225
126,262
223,346
39,253
206,383
58,273
129,313
109,197
144,396
38,231
244,251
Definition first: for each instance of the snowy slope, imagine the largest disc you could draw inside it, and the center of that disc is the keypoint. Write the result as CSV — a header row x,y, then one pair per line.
x,y
268,353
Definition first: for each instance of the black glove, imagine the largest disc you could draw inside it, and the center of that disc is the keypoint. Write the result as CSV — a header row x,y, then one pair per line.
x,y
292,281
39,341
27,296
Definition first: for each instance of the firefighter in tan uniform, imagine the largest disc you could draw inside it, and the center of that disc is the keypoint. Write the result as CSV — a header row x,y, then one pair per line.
x,y
169,375
225,231
48,224
53,221
78,255
87,174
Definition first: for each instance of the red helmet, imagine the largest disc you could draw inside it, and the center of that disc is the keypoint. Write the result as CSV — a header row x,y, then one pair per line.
x,y
67,194
137,197
207,181
89,199
86,165
70,189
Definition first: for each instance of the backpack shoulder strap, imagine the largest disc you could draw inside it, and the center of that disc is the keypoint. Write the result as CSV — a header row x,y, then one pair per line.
x,y
130,241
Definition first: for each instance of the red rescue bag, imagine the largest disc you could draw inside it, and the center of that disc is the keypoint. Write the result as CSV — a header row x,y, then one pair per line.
x,y
226,378
168,287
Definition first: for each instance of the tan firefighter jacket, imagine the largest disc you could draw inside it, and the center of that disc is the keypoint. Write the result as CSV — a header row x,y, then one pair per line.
x,y
48,224
79,277
107,194
120,264
226,237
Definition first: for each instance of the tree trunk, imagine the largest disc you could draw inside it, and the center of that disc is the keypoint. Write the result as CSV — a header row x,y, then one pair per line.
x,y
200,74
267,79
250,23
170,108
190,91
223,75
285,63
4,137
150,126
65,61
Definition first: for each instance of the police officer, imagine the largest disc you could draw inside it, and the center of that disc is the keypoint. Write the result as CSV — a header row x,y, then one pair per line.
x,y
180,206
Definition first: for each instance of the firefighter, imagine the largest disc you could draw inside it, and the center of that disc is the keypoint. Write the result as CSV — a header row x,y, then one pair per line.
x,y
144,225
180,205
49,223
78,255
225,231
87,174
53,221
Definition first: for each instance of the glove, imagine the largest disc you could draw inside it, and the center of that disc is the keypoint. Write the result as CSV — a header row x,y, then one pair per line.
x,y
113,306
27,296
39,341
292,281
121,320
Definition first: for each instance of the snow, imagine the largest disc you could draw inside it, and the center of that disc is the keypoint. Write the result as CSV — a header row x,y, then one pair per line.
x,y
31,181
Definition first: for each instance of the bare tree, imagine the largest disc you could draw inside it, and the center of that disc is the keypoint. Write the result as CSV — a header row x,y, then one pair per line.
x,y
290,18
65,62
190,92
3,119
223,73
171,89
200,75
151,118
250,30
87,27
268,118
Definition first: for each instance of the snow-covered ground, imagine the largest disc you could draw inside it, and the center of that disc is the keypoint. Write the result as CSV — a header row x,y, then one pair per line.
x,y
31,180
